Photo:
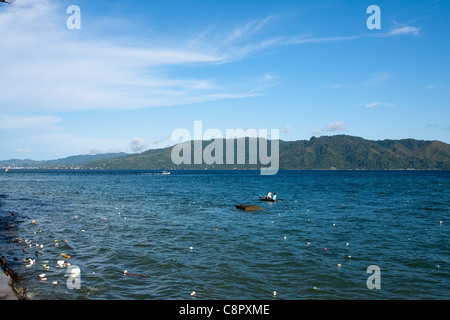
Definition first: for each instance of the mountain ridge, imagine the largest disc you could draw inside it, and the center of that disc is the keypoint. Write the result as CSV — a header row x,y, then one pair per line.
x,y
326,152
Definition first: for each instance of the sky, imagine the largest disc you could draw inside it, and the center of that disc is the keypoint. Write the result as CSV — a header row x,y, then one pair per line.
x,y
122,76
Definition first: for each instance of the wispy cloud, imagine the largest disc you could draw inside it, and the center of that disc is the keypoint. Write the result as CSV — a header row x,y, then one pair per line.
x,y
246,30
24,151
403,30
309,39
13,122
376,79
372,80
435,86
378,104
47,70
62,71
67,144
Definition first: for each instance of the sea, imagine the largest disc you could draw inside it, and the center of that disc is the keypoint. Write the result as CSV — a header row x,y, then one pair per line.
x,y
144,235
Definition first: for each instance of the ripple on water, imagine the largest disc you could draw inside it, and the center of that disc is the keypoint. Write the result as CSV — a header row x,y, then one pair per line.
x,y
193,239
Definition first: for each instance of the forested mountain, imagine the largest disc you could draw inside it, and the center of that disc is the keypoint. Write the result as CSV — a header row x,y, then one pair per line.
x,y
326,152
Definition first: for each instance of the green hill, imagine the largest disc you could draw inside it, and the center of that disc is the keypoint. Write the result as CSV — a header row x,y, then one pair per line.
x,y
327,152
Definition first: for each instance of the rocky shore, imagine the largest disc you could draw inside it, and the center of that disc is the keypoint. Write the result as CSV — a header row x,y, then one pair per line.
x,y
6,291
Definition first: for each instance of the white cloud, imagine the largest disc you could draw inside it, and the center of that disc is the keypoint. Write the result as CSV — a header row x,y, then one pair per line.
x,y
286,129
336,126
317,132
138,145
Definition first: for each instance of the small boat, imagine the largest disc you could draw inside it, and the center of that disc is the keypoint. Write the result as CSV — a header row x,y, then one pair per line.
x,y
266,199
165,172
6,170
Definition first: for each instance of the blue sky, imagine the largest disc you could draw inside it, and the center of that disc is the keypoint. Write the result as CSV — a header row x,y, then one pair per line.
x,y
138,70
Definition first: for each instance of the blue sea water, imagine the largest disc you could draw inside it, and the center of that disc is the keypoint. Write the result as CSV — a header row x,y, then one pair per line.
x,y
184,232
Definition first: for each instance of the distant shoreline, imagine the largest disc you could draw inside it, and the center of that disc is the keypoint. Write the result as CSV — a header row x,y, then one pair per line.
x,y
205,169
340,152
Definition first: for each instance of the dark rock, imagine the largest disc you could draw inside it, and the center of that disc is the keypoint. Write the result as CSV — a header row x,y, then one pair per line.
x,y
248,207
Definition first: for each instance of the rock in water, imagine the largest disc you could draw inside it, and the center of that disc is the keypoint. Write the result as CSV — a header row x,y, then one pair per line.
x,y
248,207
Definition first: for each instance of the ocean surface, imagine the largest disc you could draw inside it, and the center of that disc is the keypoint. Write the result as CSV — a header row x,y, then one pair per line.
x,y
184,233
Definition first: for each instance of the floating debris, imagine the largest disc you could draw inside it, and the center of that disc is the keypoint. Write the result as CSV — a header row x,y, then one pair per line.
x,y
135,274
62,264
30,263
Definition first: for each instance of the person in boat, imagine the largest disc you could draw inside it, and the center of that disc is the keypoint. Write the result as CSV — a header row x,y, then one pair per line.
x,y
269,195
274,196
